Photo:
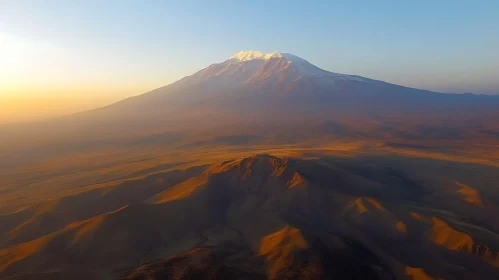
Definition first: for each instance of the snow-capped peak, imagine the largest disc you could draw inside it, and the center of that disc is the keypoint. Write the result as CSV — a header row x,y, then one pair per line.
x,y
294,67
257,55
250,55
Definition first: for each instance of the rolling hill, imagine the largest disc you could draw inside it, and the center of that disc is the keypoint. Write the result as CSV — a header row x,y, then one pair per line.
x,y
261,217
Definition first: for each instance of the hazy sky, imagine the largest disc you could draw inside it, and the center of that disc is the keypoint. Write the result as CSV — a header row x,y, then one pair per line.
x,y
58,57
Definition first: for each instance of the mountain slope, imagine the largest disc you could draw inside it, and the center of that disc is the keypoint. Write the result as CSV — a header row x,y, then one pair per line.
x,y
285,78
267,96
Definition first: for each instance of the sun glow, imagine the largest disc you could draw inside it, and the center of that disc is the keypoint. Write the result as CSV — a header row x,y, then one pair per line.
x,y
39,80
24,59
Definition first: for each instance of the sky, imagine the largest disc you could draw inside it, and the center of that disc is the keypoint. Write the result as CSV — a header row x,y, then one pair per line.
x,y
59,57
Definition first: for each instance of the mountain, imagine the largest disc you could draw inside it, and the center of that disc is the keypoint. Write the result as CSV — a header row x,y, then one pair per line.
x,y
253,92
251,99
288,84
257,100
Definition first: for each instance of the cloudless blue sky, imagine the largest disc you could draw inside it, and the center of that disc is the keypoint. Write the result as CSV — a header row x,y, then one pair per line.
x,y
449,46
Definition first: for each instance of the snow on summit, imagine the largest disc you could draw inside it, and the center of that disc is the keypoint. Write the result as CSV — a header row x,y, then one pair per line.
x,y
250,55
254,55
300,66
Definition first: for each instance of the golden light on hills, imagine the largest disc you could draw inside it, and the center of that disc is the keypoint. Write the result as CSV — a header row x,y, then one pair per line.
x,y
418,274
450,238
276,208
181,190
288,237
470,195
